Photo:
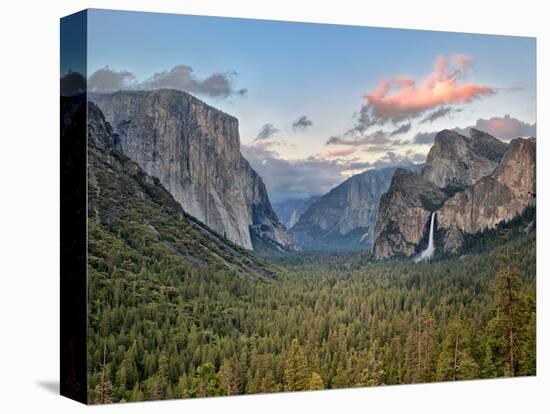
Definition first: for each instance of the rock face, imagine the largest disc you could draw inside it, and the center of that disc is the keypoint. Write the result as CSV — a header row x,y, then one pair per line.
x,y
345,217
472,183
290,211
456,161
194,150
405,211
497,197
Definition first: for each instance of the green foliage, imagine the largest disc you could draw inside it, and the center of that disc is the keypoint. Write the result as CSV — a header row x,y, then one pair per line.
x,y
297,376
172,330
455,361
316,382
206,382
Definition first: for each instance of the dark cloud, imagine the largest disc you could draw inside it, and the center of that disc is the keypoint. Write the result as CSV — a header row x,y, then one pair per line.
x,y
377,149
403,129
108,80
181,77
392,159
266,131
363,121
217,85
73,83
439,113
424,138
287,179
376,138
302,123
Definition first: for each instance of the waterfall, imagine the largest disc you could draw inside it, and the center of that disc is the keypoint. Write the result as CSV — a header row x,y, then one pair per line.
x,y
429,251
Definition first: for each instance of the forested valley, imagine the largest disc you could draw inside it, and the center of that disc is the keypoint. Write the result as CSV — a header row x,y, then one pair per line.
x,y
163,328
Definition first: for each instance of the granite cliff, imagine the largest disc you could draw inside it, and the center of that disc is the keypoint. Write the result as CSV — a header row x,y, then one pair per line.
x,y
404,213
472,183
130,212
194,150
497,197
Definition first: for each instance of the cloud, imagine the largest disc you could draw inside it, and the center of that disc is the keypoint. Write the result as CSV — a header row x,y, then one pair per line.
x,y
266,131
181,77
287,179
266,144
302,123
392,159
398,98
506,127
376,149
439,113
376,138
424,138
108,80
363,121
339,152
72,83
217,85
403,129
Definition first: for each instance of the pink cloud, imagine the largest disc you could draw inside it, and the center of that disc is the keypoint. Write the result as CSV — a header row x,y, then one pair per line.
x,y
506,127
399,97
339,152
265,144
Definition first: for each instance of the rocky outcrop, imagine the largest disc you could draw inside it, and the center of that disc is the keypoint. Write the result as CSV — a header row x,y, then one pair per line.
x,y
475,183
456,161
497,197
194,150
405,211
345,217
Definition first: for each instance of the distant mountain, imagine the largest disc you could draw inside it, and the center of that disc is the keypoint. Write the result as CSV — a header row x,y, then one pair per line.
x,y
194,150
344,218
133,218
289,211
472,184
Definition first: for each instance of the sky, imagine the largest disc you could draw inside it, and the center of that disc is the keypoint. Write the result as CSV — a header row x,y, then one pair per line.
x,y
317,103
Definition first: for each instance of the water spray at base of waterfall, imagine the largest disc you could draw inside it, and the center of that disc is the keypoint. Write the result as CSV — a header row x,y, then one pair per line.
x,y
427,254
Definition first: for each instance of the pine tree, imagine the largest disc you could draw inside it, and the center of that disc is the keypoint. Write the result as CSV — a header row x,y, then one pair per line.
x,y
508,282
229,378
455,361
373,373
206,382
316,382
104,388
296,371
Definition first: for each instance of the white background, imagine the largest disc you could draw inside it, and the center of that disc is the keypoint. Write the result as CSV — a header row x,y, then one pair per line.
x,y
29,205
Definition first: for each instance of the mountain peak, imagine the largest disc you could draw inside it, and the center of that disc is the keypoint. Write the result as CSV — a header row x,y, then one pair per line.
x,y
457,160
